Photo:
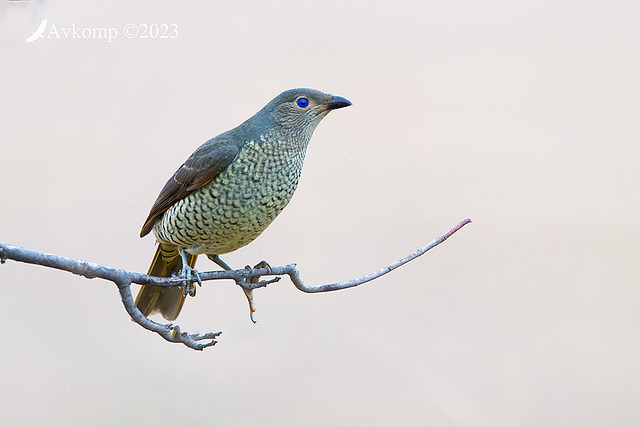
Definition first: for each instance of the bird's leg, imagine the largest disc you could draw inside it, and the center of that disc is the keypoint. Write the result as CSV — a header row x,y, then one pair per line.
x,y
189,275
221,263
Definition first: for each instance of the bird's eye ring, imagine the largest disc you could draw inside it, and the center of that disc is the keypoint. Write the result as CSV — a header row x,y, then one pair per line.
x,y
302,102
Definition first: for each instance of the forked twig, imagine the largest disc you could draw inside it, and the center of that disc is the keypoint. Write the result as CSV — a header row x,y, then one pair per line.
x,y
172,333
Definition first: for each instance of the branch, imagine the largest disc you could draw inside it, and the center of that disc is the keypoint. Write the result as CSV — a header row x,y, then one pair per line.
x,y
297,281
247,278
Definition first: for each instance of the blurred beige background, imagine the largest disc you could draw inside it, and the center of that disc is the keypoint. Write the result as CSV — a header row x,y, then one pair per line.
x,y
521,115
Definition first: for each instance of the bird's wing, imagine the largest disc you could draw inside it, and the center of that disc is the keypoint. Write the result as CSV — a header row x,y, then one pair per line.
x,y
204,165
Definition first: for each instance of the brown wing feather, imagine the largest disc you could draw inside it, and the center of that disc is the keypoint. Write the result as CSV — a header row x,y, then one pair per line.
x,y
204,165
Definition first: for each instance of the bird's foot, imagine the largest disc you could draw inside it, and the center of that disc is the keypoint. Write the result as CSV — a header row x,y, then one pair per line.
x,y
190,276
261,264
253,280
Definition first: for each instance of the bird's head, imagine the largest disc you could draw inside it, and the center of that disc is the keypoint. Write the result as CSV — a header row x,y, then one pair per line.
x,y
302,109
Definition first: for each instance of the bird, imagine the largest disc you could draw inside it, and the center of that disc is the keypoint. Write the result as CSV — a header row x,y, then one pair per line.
x,y
39,32
229,191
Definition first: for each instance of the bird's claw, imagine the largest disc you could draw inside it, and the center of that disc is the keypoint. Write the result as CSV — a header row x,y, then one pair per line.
x,y
249,292
190,276
261,264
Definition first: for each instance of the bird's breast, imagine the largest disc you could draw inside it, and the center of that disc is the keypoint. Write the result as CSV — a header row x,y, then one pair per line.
x,y
237,206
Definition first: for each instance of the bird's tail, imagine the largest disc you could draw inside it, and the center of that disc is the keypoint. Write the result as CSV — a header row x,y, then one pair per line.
x,y
166,301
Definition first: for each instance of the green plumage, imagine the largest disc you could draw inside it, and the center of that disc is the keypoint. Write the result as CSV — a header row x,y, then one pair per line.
x,y
231,188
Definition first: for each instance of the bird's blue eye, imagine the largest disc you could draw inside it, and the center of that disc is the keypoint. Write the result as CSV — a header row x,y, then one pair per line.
x,y
303,102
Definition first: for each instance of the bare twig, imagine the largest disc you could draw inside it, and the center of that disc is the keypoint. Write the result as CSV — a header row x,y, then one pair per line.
x,y
123,279
295,276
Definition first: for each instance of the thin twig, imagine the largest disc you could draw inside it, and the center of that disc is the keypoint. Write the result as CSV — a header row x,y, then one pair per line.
x,y
123,279
297,281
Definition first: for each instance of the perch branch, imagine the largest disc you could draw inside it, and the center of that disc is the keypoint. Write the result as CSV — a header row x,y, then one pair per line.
x,y
123,280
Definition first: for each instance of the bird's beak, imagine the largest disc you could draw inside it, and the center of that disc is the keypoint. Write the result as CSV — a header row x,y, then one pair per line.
x,y
335,103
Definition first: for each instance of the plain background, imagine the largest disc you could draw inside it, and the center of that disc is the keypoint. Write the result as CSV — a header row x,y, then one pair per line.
x,y
520,115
